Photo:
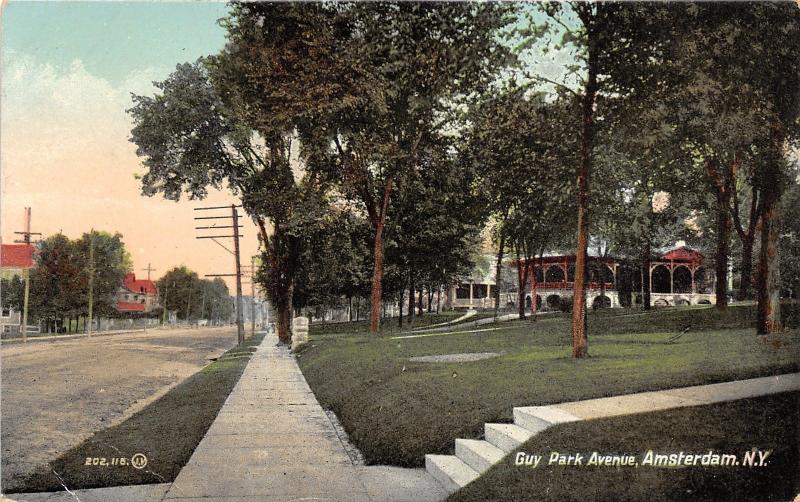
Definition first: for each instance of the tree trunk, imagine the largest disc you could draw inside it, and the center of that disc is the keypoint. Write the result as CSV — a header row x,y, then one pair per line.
x,y
401,302
646,274
420,306
746,273
723,242
580,342
498,270
768,292
522,281
283,310
412,304
379,220
349,308
430,299
534,287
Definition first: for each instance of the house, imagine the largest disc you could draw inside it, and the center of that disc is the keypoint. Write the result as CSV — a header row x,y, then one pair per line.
x,y
16,260
677,277
136,295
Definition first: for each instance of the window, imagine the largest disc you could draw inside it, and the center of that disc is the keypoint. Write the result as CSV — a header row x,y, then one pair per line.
x,y
462,292
6,312
127,297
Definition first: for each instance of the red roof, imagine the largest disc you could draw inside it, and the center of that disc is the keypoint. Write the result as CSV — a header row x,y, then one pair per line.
x,y
130,307
683,253
138,286
16,256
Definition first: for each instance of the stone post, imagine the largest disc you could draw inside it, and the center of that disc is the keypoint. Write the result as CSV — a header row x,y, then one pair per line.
x,y
299,332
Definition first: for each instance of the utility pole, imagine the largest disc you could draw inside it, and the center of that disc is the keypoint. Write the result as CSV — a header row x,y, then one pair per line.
x,y
148,270
188,307
236,235
203,304
26,273
91,282
252,296
164,306
239,322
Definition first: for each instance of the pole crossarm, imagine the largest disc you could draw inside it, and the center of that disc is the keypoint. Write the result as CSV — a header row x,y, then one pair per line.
x,y
236,235
217,207
216,217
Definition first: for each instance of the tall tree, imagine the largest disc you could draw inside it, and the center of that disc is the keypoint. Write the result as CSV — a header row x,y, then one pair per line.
x,y
179,287
192,140
517,166
400,83
744,59
55,279
111,262
589,28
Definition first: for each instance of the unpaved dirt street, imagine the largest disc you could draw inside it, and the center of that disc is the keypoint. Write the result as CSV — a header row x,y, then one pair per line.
x,y
56,394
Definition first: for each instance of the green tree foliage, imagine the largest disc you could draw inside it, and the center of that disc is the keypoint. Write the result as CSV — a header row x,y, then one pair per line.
x,y
334,263
12,291
192,139
790,239
434,224
724,78
55,279
191,298
525,173
364,84
60,280
111,262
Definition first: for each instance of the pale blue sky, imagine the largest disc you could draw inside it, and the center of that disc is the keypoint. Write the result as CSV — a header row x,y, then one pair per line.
x,y
113,39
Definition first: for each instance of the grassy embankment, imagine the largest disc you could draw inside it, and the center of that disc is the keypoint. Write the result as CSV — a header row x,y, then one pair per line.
x,y
396,410
768,423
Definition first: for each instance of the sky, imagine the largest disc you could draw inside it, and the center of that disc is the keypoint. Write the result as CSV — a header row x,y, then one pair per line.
x,y
68,69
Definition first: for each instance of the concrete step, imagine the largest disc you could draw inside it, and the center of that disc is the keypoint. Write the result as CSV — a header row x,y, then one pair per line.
x,y
480,455
539,418
506,436
449,471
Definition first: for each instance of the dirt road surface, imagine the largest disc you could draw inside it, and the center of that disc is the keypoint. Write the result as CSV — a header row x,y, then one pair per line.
x,y
55,394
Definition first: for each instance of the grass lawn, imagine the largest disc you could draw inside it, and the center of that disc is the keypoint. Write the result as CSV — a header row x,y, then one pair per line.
x,y
396,411
766,423
167,432
388,326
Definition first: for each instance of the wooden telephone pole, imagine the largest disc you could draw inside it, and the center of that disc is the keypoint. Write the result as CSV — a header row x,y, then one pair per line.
x,y
252,296
236,235
91,283
26,273
148,270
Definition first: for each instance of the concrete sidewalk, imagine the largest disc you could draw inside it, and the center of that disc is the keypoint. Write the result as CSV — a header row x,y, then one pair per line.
x,y
273,441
